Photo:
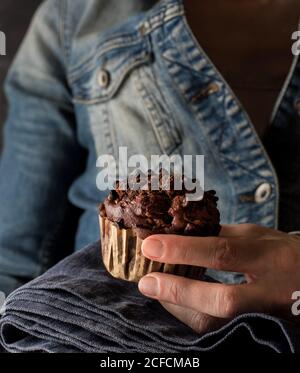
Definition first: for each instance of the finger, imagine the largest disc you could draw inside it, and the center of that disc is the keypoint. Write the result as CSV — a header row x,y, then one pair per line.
x,y
218,300
220,253
199,322
247,231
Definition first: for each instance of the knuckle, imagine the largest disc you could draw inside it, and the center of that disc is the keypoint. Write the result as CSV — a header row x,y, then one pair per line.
x,y
199,322
185,254
224,254
202,323
175,293
227,302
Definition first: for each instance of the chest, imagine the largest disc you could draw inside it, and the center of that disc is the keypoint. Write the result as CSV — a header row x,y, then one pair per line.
x,y
156,92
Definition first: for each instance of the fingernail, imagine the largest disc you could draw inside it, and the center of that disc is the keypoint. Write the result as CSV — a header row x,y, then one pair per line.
x,y
148,285
152,247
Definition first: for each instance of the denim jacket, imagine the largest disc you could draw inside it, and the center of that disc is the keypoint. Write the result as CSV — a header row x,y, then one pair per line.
x,y
94,75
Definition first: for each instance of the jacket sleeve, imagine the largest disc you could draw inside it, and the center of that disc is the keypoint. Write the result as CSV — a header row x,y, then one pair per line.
x,y
40,156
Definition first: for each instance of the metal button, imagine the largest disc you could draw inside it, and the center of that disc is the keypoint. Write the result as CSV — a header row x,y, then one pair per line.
x,y
210,89
143,29
263,192
103,78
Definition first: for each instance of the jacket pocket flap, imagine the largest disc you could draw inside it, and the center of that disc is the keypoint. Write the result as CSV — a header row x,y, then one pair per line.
x,y
99,79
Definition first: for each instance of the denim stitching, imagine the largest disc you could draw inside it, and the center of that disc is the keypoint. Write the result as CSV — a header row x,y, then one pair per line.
x,y
85,66
150,105
115,86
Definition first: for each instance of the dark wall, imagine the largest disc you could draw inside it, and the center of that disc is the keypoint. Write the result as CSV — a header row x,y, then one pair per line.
x,y
15,16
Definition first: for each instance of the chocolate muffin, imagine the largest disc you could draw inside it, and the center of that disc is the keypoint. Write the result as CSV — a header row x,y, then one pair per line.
x,y
129,216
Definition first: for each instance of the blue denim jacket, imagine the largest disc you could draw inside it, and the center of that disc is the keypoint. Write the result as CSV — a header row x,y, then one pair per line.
x,y
95,75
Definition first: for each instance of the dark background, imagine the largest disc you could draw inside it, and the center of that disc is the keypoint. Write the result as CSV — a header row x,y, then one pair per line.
x,y
15,16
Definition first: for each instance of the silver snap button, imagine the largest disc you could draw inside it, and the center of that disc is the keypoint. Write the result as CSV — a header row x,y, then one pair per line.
x,y
263,192
103,78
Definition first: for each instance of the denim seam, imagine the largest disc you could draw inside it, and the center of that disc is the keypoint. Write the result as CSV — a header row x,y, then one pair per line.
x,y
126,39
166,13
254,133
66,31
191,108
104,47
195,113
62,29
222,117
258,177
111,132
152,113
175,130
141,87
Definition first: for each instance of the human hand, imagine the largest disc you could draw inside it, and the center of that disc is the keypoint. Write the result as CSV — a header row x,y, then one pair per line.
x,y
269,259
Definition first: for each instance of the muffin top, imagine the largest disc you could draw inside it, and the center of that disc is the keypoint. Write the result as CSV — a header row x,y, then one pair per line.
x,y
161,211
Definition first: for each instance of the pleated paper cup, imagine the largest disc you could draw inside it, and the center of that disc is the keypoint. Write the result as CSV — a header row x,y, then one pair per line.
x,y
123,258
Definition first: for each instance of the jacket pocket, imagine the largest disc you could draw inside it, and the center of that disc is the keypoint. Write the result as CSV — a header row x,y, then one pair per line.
x,y
100,78
119,81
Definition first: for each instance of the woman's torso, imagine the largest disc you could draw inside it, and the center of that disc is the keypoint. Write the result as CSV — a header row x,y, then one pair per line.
x,y
147,85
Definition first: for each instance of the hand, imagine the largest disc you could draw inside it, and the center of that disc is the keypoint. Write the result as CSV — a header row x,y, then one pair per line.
x,y
269,259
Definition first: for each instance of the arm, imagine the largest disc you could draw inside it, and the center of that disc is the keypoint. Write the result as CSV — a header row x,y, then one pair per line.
x,y
40,156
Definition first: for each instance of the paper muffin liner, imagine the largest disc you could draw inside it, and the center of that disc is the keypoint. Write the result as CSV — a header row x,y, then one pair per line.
x,y
123,258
